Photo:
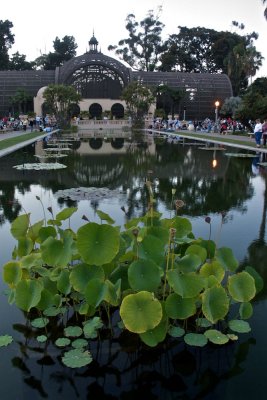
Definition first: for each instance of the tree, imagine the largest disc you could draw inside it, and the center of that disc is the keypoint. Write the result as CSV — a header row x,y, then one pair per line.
x,y
6,41
20,101
169,99
206,50
144,45
254,102
18,62
59,99
230,105
65,49
138,98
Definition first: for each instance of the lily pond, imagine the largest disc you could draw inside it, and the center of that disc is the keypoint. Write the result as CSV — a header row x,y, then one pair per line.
x,y
214,196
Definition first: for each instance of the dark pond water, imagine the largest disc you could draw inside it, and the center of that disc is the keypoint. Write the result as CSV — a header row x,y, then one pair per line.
x,y
116,171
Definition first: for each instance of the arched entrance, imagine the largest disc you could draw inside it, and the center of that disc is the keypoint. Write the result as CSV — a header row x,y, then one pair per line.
x,y
95,110
117,110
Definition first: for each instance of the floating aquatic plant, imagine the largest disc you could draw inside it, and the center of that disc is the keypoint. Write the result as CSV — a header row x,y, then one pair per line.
x,y
39,166
5,340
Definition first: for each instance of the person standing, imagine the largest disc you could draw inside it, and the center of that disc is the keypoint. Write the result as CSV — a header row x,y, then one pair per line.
x,y
258,132
264,131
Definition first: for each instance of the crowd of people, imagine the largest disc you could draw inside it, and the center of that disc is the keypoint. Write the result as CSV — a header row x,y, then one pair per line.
x,y
23,122
222,125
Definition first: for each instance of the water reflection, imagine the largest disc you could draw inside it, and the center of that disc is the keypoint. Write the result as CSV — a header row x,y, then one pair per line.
x,y
123,368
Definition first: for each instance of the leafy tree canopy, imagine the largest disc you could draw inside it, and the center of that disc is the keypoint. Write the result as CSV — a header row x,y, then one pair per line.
x,y
18,62
6,41
142,48
65,49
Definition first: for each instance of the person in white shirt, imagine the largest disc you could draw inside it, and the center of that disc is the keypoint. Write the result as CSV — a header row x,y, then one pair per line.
x,y
258,132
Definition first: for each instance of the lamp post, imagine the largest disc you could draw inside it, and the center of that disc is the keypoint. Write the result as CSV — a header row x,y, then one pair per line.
x,y
217,103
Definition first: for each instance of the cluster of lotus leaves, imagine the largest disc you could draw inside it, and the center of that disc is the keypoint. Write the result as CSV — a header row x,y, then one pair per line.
x,y
153,273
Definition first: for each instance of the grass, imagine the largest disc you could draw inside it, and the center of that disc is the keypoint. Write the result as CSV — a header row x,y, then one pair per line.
x,y
5,143
222,139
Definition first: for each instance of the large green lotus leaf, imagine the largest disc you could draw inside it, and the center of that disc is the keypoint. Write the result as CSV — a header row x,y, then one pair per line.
x,y
63,282
140,312
77,358
12,273
242,287
259,283
31,260
239,326
152,248
215,304
188,263
45,232
121,273
245,310
56,253
182,225
81,274
216,336
155,336
95,292
227,259
186,285
98,244
144,275
47,300
210,247
66,213
28,294
213,268
195,339
199,251
20,225
34,229
159,232
113,292
91,327
178,308
25,246
105,217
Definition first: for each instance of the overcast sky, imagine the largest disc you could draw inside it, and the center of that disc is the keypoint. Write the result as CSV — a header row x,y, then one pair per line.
x,y
37,23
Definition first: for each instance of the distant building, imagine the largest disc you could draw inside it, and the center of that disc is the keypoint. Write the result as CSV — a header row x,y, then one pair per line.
x,y
100,80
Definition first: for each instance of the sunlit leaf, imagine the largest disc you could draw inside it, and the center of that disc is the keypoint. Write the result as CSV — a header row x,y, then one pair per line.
x,y
140,312
242,287
105,217
12,273
215,304
28,294
66,213
98,244
213,268
186,285
227,259
20,225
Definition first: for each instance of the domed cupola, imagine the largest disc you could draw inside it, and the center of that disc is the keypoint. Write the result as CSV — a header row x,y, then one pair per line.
x,y
93,44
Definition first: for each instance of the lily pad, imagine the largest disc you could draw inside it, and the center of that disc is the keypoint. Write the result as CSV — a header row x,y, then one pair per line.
x,y
40,166
239,326
216,336
5,340
39,322
77,358
41,338
195,339
62,342
176,331
79,343
73,331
